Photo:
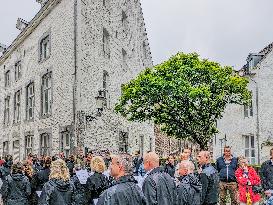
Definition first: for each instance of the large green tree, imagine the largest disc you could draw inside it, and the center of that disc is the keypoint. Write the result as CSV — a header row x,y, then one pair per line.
x,y
185,95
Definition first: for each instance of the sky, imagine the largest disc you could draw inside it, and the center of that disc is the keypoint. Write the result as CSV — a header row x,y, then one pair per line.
x,y
225,31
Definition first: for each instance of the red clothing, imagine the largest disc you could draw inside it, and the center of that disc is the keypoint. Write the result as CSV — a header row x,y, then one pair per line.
x,y
2,162
244,188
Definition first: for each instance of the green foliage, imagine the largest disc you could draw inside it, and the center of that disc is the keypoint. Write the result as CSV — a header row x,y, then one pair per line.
x,y
184,95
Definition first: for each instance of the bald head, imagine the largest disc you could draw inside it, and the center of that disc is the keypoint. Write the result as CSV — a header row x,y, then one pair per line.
x,y
203,157
151,161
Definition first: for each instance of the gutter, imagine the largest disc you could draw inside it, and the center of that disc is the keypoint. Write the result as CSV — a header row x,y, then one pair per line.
x,y
75,72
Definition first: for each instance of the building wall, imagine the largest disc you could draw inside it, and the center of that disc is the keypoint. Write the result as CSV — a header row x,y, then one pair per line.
x,y
59,23
104,132
234,125
80,74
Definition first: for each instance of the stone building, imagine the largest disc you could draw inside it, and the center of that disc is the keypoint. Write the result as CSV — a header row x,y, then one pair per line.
x,y
249,129
62,75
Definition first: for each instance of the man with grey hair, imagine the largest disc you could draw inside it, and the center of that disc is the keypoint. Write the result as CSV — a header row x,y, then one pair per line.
x,y
158,187
189,187
209,178
124,190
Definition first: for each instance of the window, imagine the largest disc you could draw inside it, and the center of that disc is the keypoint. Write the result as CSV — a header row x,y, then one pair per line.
x,y
248,110
5,148
105,86
65,143
124,20
28,144
106,43
7,111
250,148
7,78
18,71
144,50
46,94
45,144
30,101
124,60
17,105
141,145
105,3
123,142
16,150
44,48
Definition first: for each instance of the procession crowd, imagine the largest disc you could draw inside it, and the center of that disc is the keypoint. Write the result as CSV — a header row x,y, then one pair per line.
x,y
135,180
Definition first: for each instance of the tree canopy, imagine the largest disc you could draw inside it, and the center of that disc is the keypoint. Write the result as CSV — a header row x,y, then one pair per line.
x,y
185,95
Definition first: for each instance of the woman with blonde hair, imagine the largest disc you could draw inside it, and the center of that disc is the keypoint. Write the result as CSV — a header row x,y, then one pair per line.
x,y
247,177
59,189
97,182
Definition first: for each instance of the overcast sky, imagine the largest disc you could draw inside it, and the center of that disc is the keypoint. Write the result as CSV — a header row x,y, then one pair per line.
x,y
220,30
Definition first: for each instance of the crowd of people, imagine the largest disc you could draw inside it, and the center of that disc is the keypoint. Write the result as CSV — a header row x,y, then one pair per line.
x,y
135,180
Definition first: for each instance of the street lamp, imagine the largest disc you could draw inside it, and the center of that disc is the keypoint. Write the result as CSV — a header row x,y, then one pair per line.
x,y
221,141
100,104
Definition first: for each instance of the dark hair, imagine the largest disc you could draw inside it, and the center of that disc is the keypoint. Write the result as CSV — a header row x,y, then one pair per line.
x,y
271,151
227,147
47,161
17,168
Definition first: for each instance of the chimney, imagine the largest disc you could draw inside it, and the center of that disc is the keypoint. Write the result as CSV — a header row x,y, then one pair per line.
x,y
21,24
42,2
3,48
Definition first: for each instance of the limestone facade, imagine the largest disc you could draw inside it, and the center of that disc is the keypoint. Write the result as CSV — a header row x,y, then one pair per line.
x,y
71,53
248,129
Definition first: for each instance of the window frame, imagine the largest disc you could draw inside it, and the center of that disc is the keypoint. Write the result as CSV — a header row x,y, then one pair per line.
x,y
5,148
28,149
43,53
46,91
250,149
30,100
18,70
7,111
17,107
45,148
7,78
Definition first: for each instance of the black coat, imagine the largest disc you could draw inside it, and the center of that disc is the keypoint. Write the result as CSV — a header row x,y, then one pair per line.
x,y
137,162
16,190
266,174
58,192
227,170
189,190
96,184
81,193
170,169
209,179
124,191
70,165
40,178
159,188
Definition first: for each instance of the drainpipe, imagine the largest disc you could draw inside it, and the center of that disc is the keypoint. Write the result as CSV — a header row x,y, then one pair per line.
x,y
75,72
257,119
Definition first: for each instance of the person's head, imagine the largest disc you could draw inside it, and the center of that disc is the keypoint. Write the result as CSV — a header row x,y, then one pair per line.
x,y
30,157
71,158
187,152
203,157
27,168
183,168
47,162
97,164
151,161
227,151
59,170
17,168
121,165
171,159
137,153
271,153
242,161
77,167
183,156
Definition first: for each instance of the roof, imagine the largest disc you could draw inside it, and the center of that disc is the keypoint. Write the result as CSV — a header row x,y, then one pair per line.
x,y
43,12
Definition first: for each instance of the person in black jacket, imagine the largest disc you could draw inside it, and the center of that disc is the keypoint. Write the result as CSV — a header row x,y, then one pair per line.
x,y
137,161
266,174
169,167
97,182
124,190
189,186
158,187
226,166
79,180
16,187
209,179
59,189
70,164
5,168
41,177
